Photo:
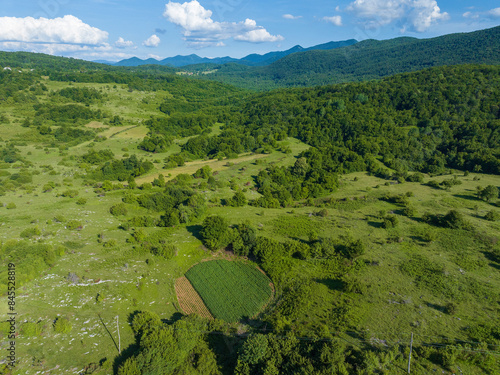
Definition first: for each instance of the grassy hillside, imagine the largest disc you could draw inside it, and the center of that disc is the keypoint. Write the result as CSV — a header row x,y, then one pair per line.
x,y
373,208
369,59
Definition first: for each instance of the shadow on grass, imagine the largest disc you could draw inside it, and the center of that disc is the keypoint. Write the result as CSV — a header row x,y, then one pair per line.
x,y
468,197
195,231
109,333
435,306
333,284
375,224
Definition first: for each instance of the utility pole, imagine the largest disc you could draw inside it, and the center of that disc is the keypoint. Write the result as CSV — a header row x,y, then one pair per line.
x,y
411,348
119,343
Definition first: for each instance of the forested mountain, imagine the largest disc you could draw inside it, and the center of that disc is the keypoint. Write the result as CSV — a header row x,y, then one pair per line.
x,y
369,59
250,60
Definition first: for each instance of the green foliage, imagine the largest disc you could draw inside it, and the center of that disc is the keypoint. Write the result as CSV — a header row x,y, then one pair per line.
x,y
81,201
492,216
70,193
167,251
62,325
204,172
231,290
489,193
11,206
30,232
389,221
119,209
453,219
123,169
254,349
30,329
155,143
215,232
237,200
74,224
97,157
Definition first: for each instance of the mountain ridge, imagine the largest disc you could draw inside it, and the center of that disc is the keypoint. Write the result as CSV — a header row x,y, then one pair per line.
x,y
253,59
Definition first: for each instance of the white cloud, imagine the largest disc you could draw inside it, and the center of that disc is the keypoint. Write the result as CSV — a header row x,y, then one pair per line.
x,y
258,36
153,41
291,17
415,15
200,30
122,43
336,20
156,57
491,14
67,30
494,13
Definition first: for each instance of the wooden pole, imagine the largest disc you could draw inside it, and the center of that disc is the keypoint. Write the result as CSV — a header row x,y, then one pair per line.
x,y
119,343
411,348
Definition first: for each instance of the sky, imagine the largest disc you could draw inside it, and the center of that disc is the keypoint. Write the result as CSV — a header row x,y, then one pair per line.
x,y
118,29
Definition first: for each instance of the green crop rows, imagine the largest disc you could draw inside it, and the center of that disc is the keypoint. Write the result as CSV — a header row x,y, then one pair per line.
x,y
231,290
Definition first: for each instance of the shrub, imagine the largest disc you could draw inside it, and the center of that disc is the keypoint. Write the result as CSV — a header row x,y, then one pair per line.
x,y
30,329
322,213
492,216
167,251
111,243
390,222
11,206
81,201
409,211
62,325
215,232
238,200
118,209
74,224
30,232
70,193
59,219
489,193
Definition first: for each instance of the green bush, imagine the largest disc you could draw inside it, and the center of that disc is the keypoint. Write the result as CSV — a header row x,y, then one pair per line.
x,y
81,201
74,224
167,251
390,221
30,329
70,193
62,325
492,216
118,209
11,206
30,232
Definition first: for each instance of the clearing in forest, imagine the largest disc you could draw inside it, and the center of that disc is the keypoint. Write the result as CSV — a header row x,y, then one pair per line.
x,y
230,290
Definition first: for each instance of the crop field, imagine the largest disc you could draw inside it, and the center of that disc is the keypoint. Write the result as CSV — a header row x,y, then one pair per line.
x,y
231,290
189,300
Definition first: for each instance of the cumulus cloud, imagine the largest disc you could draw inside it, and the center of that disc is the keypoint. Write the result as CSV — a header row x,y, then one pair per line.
x,y
415,15
66,30
122,43
152,42
492,14
291,17
200,30
258,36
336,20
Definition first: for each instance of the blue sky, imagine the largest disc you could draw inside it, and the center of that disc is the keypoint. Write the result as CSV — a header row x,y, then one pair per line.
x,y
118,29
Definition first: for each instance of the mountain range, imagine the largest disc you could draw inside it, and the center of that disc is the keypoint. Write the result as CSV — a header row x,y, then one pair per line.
x,y
250,60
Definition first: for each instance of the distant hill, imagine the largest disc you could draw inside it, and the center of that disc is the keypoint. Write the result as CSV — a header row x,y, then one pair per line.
x,y
369,59
250,60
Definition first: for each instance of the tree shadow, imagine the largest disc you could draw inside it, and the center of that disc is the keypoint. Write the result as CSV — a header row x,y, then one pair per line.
x,y
332,284
109,333
435,306
375,224
195,230
468,197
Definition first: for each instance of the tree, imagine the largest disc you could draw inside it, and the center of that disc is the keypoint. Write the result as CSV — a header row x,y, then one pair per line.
x,y
215,232
254,349
489,193
238,200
